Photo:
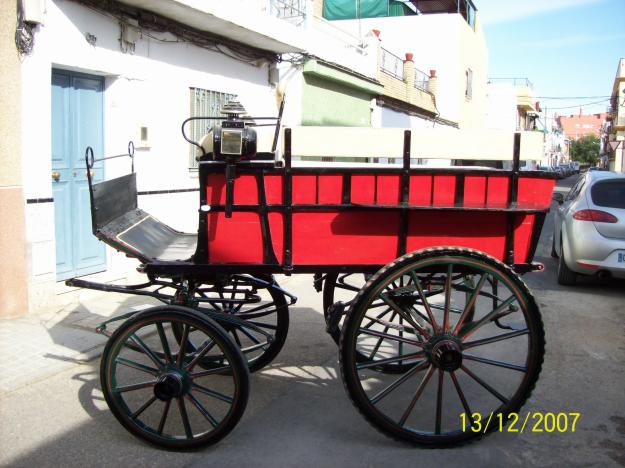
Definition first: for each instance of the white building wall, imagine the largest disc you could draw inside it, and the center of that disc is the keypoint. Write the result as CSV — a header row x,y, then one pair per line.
x,y
501,111
441,42
148,88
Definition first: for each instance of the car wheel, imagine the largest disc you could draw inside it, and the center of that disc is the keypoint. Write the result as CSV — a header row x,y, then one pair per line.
x,y
566,276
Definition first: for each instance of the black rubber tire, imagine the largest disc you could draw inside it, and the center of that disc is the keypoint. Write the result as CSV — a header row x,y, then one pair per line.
x,y
566,276
470,260
239,375
279,336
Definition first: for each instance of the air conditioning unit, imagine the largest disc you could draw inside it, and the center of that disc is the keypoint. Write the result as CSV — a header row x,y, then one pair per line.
x,y
34,10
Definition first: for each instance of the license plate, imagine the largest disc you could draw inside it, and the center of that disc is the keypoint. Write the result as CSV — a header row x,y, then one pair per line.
x,y
621,258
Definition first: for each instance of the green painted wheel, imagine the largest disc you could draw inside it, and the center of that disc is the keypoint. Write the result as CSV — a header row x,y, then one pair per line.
x,y
264,308
467,333
155,388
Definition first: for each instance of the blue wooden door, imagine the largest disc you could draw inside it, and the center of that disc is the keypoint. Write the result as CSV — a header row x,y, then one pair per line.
x,y
77,122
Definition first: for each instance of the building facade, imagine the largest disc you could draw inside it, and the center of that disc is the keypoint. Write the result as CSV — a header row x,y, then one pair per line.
x,y
100,74
614,131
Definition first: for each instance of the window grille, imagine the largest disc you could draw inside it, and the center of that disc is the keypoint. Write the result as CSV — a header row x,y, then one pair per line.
x,y
204,103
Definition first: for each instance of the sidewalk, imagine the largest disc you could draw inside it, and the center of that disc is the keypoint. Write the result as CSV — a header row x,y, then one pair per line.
x,y
37,346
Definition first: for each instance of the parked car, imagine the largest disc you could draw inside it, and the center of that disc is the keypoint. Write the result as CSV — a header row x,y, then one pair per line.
x,y
589,228
575,166
566,169
560,172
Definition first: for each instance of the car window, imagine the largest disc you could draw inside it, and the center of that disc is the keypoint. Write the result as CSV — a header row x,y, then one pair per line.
x,y
574,192
609,193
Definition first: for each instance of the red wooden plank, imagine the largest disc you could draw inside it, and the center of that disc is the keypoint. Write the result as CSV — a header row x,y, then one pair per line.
x,y
388,190
420,190
444,190
522,237
363,189
535,193
474,191
481,231
497,195
330,189
273,189
347,238
304,189
234,240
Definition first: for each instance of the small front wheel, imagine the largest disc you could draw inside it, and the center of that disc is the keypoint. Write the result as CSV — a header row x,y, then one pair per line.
x,y
155,388
467,334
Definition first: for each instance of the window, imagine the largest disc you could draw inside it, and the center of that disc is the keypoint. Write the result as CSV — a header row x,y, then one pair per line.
x,y
609,194
469,84
204,103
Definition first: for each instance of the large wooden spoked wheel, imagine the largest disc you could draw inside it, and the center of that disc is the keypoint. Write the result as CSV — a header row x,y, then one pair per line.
x,y
155,388
467,333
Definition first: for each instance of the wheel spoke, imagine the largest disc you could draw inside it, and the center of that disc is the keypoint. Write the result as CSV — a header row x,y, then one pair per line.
x,y
417,368
263,325
494,392
377,318
212,393
439,402
137,386
251,315
146,350
425,302
494,339
470,304
164,343
235,335
204,373
495,313
185,418
161,424
136,365
380,340
203,410
447,297
507,365
205,348
406,357
249,335
417,395
391,337
145,406
183,344
403,314
463,399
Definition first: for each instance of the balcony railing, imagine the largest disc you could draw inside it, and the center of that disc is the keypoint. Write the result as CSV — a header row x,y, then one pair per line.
x,y
293,11
392,64
512,81
421,80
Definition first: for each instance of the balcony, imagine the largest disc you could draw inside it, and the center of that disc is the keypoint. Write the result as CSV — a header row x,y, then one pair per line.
x,y
524,91
354,9
293,11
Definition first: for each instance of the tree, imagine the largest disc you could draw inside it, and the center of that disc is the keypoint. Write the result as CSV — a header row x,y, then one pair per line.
x,y
585,149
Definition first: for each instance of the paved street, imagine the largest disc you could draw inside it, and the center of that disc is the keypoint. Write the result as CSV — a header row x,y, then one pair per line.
x,y
52,412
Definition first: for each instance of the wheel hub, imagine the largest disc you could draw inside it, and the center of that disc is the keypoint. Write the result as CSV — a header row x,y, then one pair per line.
x,y
169,386
445,353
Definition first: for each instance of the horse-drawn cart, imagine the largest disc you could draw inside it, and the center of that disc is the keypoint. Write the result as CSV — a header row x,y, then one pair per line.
x,y
419,268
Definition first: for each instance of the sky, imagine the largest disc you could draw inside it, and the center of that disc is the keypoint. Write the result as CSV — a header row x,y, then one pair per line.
x,y
566,48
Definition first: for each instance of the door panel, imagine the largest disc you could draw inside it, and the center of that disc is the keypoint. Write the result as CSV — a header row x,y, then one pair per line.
x,y
77,122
